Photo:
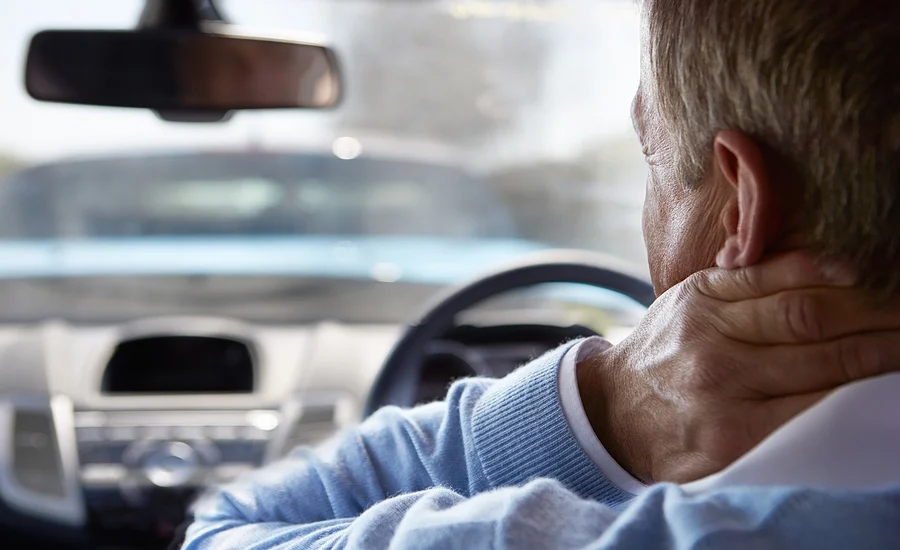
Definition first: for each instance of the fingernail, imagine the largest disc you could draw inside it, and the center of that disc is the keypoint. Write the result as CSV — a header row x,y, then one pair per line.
x,y
838,273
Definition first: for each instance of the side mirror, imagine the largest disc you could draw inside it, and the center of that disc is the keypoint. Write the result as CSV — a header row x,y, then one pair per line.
x,y
173,70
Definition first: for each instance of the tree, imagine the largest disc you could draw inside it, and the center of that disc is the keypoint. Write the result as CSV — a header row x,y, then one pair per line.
x,y
9,164
542,197
591,201
414,70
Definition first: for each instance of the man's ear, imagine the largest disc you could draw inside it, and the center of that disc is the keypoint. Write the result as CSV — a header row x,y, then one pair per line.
x,y
750,217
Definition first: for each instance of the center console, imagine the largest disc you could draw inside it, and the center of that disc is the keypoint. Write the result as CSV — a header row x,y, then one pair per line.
x,y
138,468
127,467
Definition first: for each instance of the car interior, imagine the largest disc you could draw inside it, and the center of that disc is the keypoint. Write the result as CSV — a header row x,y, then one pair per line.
x,y
229,228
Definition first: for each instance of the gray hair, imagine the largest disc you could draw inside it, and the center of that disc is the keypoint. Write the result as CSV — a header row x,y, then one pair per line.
x,y
817,83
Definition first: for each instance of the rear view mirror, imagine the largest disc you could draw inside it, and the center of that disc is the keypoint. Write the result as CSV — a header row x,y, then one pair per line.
x,y
180,70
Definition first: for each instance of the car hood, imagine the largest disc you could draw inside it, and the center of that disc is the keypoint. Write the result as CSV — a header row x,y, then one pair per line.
x,y
419,260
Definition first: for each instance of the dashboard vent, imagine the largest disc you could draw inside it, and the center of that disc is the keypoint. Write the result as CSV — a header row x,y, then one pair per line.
x,y
35,455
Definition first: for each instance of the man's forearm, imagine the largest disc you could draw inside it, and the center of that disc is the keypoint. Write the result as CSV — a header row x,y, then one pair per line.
x,y
488,434
544,515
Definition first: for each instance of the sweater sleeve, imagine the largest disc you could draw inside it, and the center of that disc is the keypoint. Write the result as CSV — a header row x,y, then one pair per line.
x,y
544,515
487,434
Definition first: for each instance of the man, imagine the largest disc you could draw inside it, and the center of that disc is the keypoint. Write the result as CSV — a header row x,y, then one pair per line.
x,y
771,130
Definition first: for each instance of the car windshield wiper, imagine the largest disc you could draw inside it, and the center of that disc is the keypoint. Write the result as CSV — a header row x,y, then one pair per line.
x,y
191,290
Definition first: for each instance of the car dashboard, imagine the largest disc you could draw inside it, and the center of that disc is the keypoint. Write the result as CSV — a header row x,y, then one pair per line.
x,y
112,430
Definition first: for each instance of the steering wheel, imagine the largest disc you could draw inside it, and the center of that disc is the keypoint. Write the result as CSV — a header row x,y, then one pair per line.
x,y
396,383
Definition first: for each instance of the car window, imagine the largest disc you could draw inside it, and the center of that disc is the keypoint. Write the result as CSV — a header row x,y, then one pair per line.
x,y
471,132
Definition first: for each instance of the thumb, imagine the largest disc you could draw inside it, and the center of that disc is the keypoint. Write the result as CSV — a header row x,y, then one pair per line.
x,y
788,271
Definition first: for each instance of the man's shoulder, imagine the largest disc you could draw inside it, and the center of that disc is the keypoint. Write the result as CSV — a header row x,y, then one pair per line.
x,y
848,441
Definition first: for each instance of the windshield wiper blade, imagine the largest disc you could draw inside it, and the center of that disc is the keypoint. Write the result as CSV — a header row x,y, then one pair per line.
x,y
194,290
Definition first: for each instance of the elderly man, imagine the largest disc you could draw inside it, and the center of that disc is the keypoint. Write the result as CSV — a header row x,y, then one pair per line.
x,y
773,137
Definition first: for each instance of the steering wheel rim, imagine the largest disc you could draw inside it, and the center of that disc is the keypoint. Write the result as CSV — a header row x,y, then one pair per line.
x,y
394,386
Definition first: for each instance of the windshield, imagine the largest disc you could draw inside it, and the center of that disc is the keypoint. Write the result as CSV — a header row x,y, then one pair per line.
x,y
471,132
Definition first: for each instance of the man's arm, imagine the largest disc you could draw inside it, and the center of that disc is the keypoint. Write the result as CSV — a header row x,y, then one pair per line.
x,y
510,432
487,434
543,515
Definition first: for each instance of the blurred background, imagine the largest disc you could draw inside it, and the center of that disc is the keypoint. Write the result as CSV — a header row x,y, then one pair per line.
x,y
202,298
528,97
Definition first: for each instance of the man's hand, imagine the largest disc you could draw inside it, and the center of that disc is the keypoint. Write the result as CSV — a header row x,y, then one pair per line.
x,y
725,358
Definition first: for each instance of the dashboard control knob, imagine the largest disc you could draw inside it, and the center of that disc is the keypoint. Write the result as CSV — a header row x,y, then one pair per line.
x,y
171,464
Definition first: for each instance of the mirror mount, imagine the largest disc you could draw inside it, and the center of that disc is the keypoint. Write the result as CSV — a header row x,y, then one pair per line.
x,y
179,14
189,15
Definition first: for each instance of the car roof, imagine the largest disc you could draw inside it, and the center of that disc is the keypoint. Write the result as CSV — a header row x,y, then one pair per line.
x,y
372,147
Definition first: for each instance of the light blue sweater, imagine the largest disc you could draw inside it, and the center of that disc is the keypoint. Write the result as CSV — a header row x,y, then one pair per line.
x,y
496,466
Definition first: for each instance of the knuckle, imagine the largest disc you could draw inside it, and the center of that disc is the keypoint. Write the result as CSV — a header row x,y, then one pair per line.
x,y
692,298
713,284
696,283
748,281
799,315
859,358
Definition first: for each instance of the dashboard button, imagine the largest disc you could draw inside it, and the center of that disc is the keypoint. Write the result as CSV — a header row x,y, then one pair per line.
x,y
252,433
207,451
135,452
187,432
100,453
121,433
98,475
240,451
35,456
264,420
89,434
171,465
222,433
156,432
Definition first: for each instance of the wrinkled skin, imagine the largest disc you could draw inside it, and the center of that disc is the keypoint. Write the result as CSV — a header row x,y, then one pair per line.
x,y
748,331
728,356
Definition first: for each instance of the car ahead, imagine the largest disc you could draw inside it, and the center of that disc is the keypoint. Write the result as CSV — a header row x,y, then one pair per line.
x,y
180,217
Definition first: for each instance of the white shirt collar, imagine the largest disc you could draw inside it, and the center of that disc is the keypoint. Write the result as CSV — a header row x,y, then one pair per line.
x,y
848,441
